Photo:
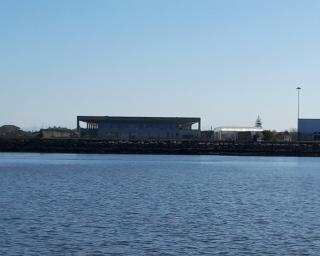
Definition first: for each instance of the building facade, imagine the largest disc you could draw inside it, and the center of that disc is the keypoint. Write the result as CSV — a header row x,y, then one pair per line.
x,y
309,129
139,128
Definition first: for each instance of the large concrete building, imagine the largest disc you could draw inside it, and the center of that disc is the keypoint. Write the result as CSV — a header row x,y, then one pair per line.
x,y
309,129
139,128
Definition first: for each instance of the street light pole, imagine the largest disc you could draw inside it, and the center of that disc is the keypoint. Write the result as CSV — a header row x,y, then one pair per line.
x,y
298,90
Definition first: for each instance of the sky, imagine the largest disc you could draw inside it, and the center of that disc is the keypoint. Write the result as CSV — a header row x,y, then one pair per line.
x,y
224,61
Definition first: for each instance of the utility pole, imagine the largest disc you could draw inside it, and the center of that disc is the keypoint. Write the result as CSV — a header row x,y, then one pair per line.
x,y
298,90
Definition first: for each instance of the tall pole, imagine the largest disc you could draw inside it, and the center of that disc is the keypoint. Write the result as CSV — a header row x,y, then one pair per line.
x,y
298,90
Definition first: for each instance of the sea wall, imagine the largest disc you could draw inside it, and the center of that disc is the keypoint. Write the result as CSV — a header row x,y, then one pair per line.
x,y
157,147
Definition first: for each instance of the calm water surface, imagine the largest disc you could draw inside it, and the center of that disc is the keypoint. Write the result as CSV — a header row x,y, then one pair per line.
x,y
56,204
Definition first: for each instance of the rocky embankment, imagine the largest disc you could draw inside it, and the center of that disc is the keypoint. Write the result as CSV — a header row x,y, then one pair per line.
x,y
157,147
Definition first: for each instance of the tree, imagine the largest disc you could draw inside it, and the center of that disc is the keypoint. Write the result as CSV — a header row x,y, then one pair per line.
x,y
268,135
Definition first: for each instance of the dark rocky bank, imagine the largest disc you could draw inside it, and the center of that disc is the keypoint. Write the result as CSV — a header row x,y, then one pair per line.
x,y
156,147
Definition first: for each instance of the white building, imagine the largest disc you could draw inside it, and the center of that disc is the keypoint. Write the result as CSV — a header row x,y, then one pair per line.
x,y
244,134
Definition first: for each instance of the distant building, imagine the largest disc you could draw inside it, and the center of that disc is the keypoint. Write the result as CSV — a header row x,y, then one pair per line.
x,y
139,128
309,129
239,134
284,136
57,132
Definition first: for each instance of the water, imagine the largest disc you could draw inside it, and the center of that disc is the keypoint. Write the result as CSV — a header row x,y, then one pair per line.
x,y
56,204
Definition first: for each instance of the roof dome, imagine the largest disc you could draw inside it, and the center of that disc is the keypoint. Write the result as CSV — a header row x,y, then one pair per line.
x,y
258,122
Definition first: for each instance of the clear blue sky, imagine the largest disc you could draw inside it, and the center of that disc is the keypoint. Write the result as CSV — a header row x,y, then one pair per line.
x,y
224,61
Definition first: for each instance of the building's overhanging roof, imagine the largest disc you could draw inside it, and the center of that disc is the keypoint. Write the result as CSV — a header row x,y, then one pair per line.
x,y
126,119
238,129
309,119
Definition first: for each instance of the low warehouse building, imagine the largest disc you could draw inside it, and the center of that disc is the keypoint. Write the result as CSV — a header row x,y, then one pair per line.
x,y
139,128
240,134
57,132
309,129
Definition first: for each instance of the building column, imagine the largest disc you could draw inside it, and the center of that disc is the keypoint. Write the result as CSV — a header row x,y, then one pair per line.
x,y
78,125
